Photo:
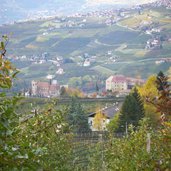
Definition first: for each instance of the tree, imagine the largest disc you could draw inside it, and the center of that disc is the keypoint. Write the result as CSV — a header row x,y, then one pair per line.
x,y
37,142
14,155
132,153
161,81
98,122
63,91
163,105
163,102
113,124
76,117
169,74
74,92
97,88
7,71
149,89
132,111
140,106
47,134
75,82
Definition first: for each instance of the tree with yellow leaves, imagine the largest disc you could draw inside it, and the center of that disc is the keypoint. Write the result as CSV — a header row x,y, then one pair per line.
x,y
7,71
149,89
169,74
99,120
74,92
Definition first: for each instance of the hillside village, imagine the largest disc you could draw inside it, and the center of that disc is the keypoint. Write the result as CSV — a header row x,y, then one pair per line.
x,y
102,55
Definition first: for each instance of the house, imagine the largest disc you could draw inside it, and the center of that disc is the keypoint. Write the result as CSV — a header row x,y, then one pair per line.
x,y
60,71
116,83
42,61
87,63
109,52
50,77
158,62
120,83
45,89
148,32
59,59
45,33
153,44
108,113
131,82
155,30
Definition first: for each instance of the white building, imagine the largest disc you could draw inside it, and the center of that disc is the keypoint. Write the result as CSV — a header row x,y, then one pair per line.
x,y
86,63
116,83
120,83
60,71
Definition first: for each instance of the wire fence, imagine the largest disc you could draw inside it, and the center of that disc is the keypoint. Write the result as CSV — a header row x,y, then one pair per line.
x,y
88,148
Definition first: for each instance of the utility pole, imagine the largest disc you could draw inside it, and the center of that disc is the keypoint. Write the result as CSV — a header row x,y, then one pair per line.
x,y
126,129
102,148
148,142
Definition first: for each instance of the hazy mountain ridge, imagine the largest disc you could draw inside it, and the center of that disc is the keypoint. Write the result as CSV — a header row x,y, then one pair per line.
x,y
12,10
17,10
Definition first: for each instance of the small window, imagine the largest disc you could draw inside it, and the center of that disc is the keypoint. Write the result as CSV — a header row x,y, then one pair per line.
x,y
90,123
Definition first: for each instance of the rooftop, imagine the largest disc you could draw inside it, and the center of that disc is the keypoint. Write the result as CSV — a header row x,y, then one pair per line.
x,y
119,78
109,112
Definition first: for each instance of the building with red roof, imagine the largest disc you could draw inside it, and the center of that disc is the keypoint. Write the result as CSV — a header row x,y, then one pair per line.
x,y
120,83
116,83
45,89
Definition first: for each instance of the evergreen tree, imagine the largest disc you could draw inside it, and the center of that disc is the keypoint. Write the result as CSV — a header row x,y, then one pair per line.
x,y
140,106
163,102
161,81
97,88
63,91
76,117
132,110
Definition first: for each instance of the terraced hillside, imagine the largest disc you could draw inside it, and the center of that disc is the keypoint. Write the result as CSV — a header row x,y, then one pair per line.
x,y
121,47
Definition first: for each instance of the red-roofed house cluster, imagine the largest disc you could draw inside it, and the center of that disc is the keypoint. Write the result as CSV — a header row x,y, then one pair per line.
x,y
120,83
45,89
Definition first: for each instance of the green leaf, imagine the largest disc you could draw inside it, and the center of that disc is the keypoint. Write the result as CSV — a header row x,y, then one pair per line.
x,y
14,75
2,46
2,94
5,37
